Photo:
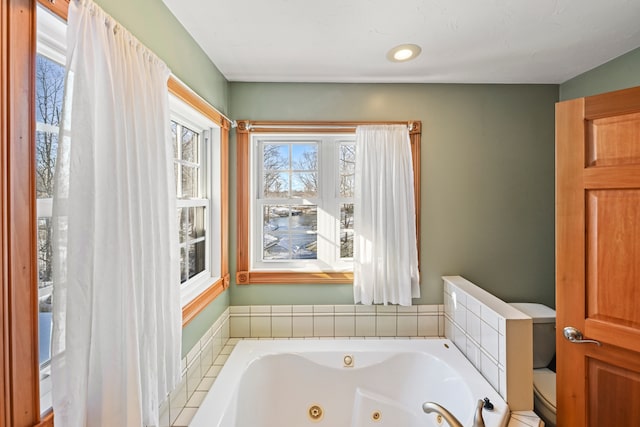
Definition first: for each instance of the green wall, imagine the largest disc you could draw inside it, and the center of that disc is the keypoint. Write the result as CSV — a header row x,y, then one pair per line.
x,y
154,25
620,73
487,210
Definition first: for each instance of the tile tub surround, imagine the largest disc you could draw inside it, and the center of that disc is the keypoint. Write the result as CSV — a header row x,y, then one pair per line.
x,y
199,369
335,321
494,336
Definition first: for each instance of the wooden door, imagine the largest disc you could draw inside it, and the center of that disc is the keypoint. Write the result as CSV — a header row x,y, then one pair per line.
x,y
598,259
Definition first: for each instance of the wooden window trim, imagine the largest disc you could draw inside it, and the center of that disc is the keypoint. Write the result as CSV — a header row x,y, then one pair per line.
x,y
19,395
246,276
58,7
195,306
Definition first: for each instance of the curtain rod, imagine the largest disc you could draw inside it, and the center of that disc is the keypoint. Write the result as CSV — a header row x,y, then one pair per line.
x,y
271,125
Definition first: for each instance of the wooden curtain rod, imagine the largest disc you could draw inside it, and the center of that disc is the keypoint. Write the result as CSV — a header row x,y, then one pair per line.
x,y
317,126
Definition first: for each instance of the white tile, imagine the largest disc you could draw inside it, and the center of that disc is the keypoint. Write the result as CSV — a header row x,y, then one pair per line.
x,y
490,371
165,420
459,298
281,309
502,326
213,371
473,353
502,350
194,376
346,308
408,325
221,359
365,308
323,309
205,384
503,382
489,316
227,349
323,326
428,308
386,309
281,327
193,353
407,309
239,309
460,316
428,325
473,305
260,326
178,398
345,325
206,357
386,326
302,326
459,338
302,309
239,327
448,328
448,305
260,309
489,340
196,399
473,327
365,326
185,417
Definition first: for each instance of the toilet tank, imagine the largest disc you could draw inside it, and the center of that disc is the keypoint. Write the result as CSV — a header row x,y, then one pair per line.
x,y
544,332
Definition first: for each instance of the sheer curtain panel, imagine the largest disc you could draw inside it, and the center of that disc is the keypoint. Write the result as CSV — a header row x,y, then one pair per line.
x,y
116,303
385,254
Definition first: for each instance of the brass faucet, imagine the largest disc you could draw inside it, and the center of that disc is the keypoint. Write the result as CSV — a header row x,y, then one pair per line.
x,y
478,421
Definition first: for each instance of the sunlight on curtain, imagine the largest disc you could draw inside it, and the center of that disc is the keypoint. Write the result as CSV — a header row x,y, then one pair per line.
x,y
385,254
117,317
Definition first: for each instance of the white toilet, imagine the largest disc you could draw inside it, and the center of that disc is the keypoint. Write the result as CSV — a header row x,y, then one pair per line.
x,y
544,348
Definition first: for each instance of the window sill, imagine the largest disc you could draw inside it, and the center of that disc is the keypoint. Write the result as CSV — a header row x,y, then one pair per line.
x,y
288,277
197,304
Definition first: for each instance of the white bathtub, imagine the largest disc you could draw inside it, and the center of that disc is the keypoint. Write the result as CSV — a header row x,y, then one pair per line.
x,y
293,383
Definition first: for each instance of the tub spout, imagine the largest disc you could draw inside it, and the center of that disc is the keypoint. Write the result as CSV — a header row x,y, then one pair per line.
x,y
429,407
478,421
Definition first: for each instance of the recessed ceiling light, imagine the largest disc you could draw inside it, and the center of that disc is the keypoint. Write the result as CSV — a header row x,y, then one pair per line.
x,y
404,52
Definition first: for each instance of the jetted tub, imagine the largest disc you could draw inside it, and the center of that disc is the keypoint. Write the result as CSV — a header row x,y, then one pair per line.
x,y
346,383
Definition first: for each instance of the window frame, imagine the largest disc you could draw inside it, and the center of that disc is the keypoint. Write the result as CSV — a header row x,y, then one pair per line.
x,y
245,274
206,286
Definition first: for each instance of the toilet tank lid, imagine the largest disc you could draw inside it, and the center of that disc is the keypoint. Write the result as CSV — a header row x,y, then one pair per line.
x,y
540,313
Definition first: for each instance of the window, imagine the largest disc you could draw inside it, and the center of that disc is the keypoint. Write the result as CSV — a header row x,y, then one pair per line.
x,y
296,201
49,93
197,162
302,214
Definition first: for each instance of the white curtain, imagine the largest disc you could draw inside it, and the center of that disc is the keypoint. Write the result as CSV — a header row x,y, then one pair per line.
x,y
117,316
385,253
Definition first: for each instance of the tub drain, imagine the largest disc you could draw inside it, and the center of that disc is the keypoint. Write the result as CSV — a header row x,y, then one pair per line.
x,y
376,416
315,412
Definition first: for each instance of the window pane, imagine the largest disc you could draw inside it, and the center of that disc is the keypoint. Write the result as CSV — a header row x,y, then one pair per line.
x,y
346,230
184,263
276,185
49,91
275,157
305,157
183,224
304,184
196,258
190,146
347,169
198,222
46,150
189,181
174,139
289,232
